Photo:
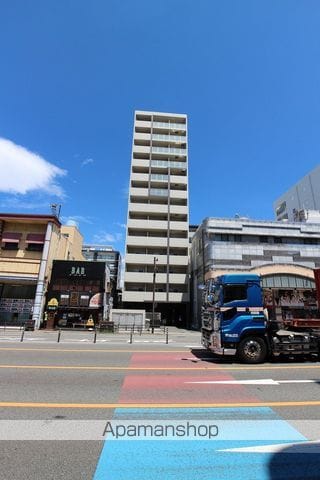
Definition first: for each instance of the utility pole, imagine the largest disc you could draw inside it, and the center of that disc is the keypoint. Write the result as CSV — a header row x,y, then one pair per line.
x,y
154,291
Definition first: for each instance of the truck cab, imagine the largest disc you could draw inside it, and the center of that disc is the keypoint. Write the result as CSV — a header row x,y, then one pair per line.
x,y
234,322
232,310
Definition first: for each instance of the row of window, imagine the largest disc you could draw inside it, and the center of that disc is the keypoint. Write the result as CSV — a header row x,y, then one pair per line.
x,y
11,240
31,247
227,237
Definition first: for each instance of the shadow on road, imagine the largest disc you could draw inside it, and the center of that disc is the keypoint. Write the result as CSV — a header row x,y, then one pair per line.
x,y
296,462
209,357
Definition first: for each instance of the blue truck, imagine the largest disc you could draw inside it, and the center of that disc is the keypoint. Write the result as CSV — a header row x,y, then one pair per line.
x,y
235,322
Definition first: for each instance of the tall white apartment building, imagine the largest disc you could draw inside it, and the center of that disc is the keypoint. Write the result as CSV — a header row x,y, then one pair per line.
x,y
157,224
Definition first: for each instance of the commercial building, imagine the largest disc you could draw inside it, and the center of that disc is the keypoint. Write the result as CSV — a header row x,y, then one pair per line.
x,y
284,254
29,243
300,200
106,253
157,224
80,291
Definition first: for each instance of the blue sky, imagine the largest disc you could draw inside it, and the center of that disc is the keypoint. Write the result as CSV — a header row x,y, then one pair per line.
x,y
246,72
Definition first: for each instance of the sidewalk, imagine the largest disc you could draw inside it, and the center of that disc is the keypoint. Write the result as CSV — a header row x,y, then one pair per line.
x,y
160,336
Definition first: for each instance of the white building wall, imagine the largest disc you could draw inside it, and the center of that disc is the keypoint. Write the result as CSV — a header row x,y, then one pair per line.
x,y
304,195
157,223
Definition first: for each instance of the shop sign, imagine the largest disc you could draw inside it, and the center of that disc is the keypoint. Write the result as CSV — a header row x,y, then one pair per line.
x,y
96,300
77,272
53,304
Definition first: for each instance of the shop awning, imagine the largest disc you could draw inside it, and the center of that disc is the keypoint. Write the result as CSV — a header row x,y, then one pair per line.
x,y
35,238
11,237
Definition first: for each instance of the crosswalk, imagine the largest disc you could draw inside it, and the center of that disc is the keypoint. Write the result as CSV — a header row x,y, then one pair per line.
x,y
248,444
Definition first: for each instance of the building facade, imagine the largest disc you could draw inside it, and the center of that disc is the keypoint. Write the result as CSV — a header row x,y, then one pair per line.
x,y
157,223
80,290
29,243
284,254
106,253
300,199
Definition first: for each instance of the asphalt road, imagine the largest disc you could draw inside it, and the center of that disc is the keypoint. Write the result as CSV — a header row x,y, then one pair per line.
x,y
56,400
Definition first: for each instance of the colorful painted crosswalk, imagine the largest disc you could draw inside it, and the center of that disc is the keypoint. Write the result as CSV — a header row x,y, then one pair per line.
x,y
197,458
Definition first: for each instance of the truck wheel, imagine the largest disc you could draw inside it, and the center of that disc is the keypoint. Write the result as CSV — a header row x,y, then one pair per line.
x,y
252,350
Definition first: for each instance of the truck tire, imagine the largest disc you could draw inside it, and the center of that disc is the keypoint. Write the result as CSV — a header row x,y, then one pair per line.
x,y
252,350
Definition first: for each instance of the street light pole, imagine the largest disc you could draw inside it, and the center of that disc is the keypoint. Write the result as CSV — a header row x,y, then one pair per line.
x,y
153,291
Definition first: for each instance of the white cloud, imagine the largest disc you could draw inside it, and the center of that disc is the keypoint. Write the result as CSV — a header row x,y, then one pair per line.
x,y
86,161
75,220
23,171
105,237
122,225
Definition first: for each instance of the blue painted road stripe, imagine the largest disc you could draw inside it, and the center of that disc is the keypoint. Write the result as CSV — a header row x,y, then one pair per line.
x,y
195,459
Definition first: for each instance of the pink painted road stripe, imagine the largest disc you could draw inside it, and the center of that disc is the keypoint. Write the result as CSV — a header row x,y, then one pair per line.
x,y
167,359
171,387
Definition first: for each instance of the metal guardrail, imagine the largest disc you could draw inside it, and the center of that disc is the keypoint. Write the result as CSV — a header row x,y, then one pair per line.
x,y
131,329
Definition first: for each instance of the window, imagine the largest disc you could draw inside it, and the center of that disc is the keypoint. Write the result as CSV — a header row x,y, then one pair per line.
x,y
11,240
10,246
64,300
281,208
234,292
35,242
84,300
35,247
263,239
310,241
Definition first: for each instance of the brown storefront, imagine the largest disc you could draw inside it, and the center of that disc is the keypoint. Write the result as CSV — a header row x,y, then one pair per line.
x,y
77,294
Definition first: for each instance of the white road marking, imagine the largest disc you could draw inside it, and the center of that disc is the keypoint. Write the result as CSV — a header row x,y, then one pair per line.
x,y
262,381
298,447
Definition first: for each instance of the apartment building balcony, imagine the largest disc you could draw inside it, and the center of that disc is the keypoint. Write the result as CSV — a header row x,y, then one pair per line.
x,y
159,192
140,162
169,138
139,192
151,208
178,297
179,209
170,125
179,179
161,278
159,177
147,241
142,136
147,224
142,124
179,226
167,150
141,177
178,194
166,164
141,149
129,296
138,258
179,242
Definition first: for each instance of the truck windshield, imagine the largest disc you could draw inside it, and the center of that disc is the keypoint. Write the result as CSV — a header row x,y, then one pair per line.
x,y
234,292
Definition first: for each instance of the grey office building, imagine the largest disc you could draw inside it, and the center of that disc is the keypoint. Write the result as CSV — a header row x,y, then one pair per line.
x,y
284,254
301,200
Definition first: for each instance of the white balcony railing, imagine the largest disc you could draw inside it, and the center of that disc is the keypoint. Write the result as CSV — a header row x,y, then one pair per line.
x,y
175,126
174,151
